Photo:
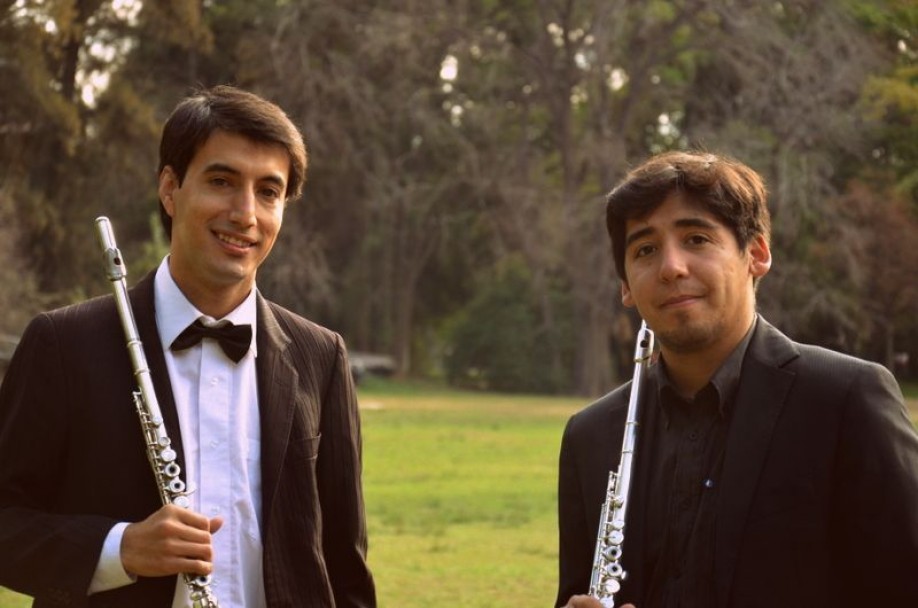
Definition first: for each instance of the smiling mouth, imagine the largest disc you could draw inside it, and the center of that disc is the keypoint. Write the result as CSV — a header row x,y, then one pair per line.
x,y
234,241
678,301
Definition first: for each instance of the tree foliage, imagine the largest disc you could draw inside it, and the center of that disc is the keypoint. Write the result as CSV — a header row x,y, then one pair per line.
x,y
460,151
497,342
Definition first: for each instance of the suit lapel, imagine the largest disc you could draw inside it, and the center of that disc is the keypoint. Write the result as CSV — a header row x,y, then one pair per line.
x,y
277,384
761,397
142,303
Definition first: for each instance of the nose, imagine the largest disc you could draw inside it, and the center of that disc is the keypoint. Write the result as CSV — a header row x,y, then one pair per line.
x,y
672,264
242,212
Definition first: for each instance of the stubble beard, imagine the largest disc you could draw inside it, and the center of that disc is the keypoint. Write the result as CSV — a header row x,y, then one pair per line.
x,y
689,336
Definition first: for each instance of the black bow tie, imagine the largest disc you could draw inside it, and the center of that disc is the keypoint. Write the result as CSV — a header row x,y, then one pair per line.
x,y
234,339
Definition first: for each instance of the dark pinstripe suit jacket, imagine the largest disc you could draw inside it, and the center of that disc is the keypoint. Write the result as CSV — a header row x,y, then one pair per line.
x,y
818,502
72,461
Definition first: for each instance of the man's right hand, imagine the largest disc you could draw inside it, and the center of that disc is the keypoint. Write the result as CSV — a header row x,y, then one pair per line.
x,y
585,601
172,540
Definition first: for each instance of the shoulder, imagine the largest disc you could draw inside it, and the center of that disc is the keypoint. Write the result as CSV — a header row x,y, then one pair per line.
x,y
840,373
597,417
69,344
824,362
830,382
299,324
94,318
865,391
812,363
289,330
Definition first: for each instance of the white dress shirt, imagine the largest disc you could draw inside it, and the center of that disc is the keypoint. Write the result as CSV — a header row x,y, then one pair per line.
x,y
217,403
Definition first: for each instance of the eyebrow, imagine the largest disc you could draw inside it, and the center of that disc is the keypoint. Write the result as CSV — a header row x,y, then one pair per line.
x,y
223,168
689,222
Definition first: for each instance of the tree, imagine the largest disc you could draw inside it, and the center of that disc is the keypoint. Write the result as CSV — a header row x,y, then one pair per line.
x,y
388,184
450,138
497,341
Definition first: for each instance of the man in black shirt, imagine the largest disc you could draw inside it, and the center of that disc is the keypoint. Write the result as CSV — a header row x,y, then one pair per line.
x,y
767,473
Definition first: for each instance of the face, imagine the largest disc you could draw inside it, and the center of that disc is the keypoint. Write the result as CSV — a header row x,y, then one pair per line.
x,y
226,215
689,279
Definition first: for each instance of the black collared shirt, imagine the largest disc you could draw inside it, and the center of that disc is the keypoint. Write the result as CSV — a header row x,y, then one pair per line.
x,y
688,439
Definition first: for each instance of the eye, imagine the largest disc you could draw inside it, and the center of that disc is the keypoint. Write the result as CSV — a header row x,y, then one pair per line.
x,y
271,193
643,250
219,181
697,239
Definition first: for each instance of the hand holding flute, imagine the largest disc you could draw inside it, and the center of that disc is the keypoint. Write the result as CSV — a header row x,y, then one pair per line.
x,y
172,540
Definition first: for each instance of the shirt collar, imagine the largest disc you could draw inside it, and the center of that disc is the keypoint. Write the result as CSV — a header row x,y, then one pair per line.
x,y
174,312
723,384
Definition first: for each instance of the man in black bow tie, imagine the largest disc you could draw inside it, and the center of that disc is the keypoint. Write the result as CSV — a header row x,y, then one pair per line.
x,y
258,402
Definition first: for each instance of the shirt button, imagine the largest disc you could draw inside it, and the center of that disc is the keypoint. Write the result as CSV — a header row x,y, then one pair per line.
x,y
214,443
213,381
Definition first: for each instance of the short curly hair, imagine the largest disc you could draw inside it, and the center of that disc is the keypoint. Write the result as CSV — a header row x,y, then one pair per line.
x,y
725,187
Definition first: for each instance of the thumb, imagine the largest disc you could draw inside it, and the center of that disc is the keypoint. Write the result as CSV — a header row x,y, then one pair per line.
x,y
215,524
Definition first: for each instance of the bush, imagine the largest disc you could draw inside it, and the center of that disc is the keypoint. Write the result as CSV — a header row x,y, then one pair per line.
x,y
499,342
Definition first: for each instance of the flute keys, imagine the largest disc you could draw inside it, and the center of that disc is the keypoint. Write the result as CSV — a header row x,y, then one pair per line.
x,y
615,571
176,485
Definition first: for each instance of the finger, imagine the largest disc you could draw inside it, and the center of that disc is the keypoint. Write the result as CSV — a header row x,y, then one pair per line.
x,y
179,530
191,518
585,601
168,556
180,548
193,566
215,524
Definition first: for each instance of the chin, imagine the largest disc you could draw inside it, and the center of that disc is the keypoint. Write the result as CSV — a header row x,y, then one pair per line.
x,y
686,337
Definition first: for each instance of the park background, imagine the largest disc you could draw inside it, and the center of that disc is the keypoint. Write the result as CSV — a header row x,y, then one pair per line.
x,y
453,216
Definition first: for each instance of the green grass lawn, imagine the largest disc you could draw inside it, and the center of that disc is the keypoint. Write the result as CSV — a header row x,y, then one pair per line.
x,y
460,493
461,499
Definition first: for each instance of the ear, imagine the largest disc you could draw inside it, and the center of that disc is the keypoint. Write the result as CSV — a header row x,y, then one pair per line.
x,y
627,298
759,257
168,184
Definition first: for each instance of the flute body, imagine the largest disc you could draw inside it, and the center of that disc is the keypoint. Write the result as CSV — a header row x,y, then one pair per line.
x,y
608,573
161,455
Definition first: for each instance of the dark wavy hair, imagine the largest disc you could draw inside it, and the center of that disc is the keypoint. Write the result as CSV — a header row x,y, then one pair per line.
x,y
229,109
730,190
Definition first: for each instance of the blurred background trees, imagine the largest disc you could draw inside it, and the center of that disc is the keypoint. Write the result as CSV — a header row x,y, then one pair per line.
x,y
460,151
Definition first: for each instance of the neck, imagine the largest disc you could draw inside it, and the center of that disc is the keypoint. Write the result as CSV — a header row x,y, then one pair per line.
x,y
213,300
691,370
689,374
215,306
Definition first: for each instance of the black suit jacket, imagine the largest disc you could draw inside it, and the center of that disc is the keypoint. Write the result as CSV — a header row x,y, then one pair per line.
x,y
818,502
72,460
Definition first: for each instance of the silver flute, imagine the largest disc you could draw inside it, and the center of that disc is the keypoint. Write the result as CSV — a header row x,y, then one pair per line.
x,y
608,573
162,456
